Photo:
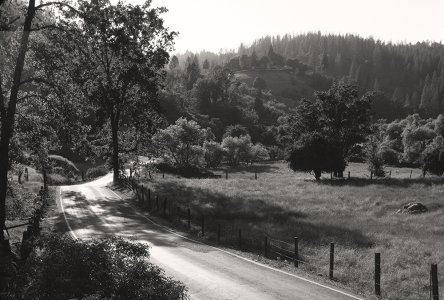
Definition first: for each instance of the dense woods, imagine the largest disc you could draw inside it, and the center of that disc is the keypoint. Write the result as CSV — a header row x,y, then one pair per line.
x,y
410,76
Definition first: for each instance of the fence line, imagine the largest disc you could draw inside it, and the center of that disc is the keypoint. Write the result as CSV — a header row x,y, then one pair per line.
x,y
270,246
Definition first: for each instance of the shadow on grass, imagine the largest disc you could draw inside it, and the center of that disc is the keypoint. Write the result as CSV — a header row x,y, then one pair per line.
x,y
257,218
397,182
263,167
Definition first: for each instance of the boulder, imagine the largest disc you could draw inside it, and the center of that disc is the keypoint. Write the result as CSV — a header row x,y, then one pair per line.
x,y
413,208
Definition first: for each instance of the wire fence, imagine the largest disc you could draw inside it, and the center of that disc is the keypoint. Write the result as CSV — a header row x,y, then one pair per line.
x,y
297,252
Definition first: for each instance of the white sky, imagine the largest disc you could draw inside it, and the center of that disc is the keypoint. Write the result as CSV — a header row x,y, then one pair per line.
x,y
224,24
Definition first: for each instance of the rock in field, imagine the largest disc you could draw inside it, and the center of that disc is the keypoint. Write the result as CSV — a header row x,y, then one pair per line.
x,y
413,208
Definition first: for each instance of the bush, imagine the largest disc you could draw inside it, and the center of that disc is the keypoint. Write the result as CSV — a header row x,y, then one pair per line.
x,y
64,268
96,172
57,179
214,154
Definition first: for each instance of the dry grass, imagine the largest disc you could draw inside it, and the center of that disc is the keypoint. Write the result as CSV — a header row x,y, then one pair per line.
x,y
358,215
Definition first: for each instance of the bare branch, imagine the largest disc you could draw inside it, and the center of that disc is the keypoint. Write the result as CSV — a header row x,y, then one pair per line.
x,y
56,4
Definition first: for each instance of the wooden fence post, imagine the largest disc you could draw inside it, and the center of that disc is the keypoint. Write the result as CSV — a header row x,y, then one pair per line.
x,y
164,206
371,175
332,260
296,252
434,281
378,274
163,174
218,233
240,239
348,175
203,225
390,174
226,174
255,174
189,217
266,247
157,201
331,175
411,174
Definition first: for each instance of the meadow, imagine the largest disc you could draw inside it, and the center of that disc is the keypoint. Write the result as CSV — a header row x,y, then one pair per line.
x,y
359,215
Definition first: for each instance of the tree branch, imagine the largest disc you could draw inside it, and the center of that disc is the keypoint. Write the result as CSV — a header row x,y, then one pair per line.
x,y
37,80
56,4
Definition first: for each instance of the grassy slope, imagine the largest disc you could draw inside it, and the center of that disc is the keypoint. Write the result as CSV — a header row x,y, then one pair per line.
x,y
358,215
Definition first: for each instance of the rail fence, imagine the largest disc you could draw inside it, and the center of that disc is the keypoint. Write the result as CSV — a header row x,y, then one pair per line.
x,y
226,233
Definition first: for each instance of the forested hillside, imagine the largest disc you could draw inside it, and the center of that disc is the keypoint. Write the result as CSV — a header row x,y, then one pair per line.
x,y
410,76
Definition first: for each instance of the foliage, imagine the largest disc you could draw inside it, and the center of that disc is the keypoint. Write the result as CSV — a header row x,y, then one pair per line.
x,y
336,119
63,268
374,157
96,172
181,143
258,153
316,153
433,157
115,54
235,131
214,153
237,149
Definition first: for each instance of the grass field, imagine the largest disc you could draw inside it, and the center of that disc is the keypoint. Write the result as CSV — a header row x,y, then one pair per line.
x,y
358,215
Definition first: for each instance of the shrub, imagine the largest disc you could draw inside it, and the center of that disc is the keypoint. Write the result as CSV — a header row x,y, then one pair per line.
x,y
214,154
315,153
64,268
181,143
237,149
57,179
433,157
374,158
96,172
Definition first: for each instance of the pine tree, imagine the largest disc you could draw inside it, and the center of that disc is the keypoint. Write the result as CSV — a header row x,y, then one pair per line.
x,y
174,63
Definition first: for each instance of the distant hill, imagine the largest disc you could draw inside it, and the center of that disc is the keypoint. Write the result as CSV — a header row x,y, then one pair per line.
x,y
410,77
284,85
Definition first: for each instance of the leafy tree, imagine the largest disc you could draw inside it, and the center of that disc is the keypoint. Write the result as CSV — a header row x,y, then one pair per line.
x,y
258,152
116,55
235,131
174,63
181,143
214,154
337,117
15,39
374,157
433,157
237,149
313,152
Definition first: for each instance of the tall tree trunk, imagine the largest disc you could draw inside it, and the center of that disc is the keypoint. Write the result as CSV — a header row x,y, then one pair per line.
x,y
8,121
115,147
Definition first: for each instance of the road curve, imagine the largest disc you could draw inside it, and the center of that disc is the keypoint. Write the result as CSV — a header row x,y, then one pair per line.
x,y
92,210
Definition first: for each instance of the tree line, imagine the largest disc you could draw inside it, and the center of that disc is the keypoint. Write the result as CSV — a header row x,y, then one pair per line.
x,y
409,77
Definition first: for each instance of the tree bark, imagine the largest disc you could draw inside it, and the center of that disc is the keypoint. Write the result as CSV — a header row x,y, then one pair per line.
x,y
8,122
115,147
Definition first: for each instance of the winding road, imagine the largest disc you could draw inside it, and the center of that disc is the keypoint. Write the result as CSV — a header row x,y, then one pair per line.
x,y
92,210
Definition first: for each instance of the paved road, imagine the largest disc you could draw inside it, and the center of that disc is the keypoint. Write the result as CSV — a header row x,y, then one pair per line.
x,y
92,210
